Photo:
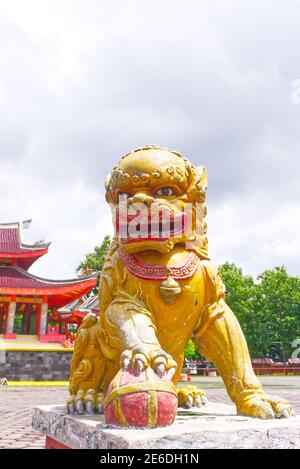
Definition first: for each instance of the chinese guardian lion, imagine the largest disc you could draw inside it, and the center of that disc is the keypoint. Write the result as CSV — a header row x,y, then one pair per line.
x,y
158,289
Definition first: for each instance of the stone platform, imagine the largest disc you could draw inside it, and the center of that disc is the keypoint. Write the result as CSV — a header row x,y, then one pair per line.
x,y
215,426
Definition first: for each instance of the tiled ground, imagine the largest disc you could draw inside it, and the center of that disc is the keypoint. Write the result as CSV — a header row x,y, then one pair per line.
x,y
16,405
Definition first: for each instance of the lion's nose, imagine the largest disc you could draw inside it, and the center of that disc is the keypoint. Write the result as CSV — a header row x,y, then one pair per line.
x,y
141,198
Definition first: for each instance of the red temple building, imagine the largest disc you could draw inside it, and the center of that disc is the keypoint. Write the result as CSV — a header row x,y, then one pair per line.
x,y
75,312
71,316
27,301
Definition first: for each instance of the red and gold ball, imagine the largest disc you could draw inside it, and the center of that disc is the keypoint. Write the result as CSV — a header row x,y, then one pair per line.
x,y
141,400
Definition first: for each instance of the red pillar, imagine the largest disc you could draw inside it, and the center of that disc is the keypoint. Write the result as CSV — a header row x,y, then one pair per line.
x,y
26,321
1,321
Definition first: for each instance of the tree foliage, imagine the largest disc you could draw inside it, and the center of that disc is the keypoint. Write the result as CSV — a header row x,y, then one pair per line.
x,y
94,261
190,351
278,307
268,310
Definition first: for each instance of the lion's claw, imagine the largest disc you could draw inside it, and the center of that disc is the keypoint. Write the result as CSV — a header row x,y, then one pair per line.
x,y
265,407
142,357
86,401
160,370
190,396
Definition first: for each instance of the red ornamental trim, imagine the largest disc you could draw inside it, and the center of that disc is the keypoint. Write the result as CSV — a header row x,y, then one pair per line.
x,y
160,272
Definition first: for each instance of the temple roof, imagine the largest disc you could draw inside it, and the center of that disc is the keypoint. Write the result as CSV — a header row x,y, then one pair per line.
x,y
17,281
85,304
77,310
12,245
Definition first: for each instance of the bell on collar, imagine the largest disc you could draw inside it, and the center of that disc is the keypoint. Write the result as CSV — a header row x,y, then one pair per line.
x,y
170,290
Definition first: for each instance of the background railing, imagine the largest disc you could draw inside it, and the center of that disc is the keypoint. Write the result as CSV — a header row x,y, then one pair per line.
x,y
260,366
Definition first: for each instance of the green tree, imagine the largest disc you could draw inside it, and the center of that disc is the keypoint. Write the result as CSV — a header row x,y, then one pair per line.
x,y
191,352
241,297
94,261
240,290
278,307
268,310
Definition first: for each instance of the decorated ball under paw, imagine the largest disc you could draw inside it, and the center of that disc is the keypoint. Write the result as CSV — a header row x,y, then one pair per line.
x,y
140,400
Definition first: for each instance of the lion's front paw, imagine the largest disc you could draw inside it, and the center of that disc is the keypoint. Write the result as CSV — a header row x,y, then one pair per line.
x,y
86,401
142,357
265,407
190,396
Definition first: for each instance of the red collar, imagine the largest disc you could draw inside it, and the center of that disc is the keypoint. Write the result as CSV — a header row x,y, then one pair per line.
x,y
160,272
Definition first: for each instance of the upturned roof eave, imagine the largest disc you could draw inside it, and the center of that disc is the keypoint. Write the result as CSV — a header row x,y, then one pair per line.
x,y
49,287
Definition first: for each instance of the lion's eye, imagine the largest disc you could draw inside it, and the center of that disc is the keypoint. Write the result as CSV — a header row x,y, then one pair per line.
x,y
165,191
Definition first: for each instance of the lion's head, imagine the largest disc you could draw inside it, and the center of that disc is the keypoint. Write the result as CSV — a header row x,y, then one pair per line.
x,y
158,200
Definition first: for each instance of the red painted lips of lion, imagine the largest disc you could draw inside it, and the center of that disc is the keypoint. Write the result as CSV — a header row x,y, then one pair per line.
x,y
157,227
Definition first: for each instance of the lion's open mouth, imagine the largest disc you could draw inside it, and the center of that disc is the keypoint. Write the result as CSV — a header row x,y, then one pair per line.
x,y
150,227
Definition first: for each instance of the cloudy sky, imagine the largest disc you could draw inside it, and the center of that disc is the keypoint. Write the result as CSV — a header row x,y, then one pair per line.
x,y
84,81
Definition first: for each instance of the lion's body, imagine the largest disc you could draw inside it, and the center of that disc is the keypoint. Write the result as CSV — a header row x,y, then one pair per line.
x,y
156,293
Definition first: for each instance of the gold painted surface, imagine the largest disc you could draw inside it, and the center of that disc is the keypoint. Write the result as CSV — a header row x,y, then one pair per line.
x,y
151,322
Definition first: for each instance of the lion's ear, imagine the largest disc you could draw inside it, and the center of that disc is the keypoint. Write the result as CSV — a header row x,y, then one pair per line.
x,y
197,190
201,178
107,181
108,194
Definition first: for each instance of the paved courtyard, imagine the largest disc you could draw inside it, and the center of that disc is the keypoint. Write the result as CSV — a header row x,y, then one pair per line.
x,y
16,404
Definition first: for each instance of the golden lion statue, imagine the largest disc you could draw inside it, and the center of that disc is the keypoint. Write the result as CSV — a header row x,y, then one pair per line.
x,y
158,289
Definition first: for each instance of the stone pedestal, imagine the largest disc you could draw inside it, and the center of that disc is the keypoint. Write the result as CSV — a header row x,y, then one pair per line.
x,y
215,426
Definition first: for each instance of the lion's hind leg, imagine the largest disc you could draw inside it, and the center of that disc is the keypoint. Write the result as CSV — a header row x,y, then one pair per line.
x,y
188,396
220,339
223,343
87,370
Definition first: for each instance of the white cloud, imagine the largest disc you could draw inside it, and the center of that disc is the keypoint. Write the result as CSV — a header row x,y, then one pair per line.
x,y
81,83
74,217
256,232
